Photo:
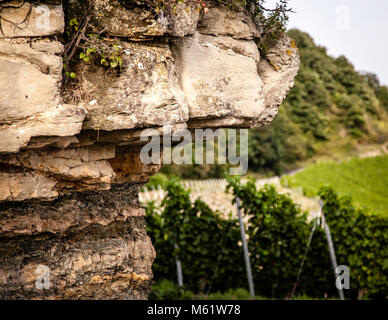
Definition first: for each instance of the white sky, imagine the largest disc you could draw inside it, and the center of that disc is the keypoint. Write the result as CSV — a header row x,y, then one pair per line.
x,y
357,29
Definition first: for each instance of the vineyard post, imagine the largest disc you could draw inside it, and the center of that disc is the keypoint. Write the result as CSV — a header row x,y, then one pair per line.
x,y
245,247
331,249
179,269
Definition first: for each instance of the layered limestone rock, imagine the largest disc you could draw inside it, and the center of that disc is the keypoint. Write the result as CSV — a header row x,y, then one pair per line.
x,y
237,25
135,20
71,226
146,94
30,103
93,244
235,96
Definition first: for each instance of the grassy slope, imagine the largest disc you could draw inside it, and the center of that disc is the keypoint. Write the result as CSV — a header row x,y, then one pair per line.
x,y
365,180
330,114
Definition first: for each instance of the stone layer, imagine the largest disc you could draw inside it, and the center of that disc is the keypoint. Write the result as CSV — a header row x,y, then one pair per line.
x,y
94,245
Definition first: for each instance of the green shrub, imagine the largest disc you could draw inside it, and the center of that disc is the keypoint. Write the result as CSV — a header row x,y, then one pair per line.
x,y
206,243
361,242
156,180
168,290
278,235
278,231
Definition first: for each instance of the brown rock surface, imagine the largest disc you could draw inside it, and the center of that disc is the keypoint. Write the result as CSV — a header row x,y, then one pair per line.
x,y
94,245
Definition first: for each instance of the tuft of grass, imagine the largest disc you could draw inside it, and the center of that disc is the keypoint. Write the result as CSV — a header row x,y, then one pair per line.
x,y
364,180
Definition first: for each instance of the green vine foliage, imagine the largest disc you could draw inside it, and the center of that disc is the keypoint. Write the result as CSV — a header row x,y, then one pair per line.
x,y
361,242
91,48
97,50
207,245
278,230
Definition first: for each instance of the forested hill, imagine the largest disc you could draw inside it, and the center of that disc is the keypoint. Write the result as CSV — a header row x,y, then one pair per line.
x,y
331,111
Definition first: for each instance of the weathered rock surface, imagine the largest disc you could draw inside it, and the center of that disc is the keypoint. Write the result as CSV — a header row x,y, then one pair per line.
x,y
213,74
133,19
30,102
278,72
146,94
94,245
23,19
24,185
121,18
70,166
220,22
237,93
70,172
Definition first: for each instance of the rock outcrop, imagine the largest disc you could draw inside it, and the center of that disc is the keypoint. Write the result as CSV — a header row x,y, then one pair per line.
x,y
70,172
